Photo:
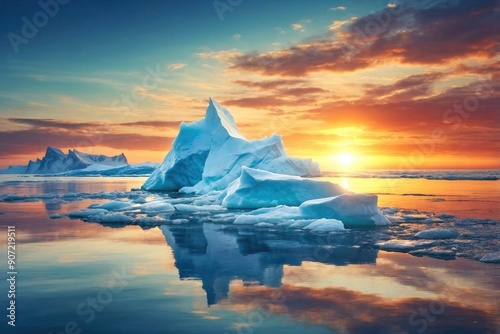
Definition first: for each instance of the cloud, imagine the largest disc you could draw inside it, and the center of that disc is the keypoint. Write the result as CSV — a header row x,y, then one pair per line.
x,y
176,66
49,132
297,27
237,36
258,102
336,25
301,91
153,124
338,8
411,33
51,123
406,88
68,125
269,84
222,55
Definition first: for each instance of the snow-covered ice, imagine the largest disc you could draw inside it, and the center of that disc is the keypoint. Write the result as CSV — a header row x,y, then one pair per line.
x,y
491,258
76,163
437,234
257,188
114,206
354,210
208,155
86,213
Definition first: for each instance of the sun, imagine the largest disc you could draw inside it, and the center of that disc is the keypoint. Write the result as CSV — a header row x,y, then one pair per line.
x,y
346,159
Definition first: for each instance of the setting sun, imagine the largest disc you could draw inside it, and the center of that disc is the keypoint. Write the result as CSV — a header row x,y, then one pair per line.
x,y
346,159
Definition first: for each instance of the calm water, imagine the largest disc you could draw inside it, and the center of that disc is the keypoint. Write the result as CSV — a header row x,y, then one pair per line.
x,y
77,277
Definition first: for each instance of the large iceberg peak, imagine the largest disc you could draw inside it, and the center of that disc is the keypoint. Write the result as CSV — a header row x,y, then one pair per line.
x,y
208,155
220,122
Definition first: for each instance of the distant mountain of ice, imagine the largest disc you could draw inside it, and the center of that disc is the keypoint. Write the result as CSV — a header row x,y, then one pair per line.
x,y
76,163
209,154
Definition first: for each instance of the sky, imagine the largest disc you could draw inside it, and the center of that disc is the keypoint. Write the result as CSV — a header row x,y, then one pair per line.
x,y
351,84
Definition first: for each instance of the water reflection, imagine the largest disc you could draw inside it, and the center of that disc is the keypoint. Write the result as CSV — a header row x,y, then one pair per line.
x,y
218,255
340,281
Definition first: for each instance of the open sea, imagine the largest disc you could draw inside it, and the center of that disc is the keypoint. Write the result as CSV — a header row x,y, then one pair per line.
x,y
198,273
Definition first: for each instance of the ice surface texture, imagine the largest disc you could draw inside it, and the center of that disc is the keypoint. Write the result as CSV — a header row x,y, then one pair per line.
x,y
210,153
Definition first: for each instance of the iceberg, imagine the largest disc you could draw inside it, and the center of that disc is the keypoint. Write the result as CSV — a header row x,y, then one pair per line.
x,y
258,188
209,154
352,210
76,163
56,161
437,234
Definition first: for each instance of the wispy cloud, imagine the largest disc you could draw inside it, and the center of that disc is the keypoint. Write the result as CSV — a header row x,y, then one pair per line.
x,y
177,66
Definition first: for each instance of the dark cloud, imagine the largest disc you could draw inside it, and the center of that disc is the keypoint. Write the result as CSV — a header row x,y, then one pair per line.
x,y
415,33
68,125
413,86
49,132
153,124
482,98
301,91
51,123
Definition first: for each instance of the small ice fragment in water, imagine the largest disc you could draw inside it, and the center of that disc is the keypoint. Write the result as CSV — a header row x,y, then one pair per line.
x,y
437,234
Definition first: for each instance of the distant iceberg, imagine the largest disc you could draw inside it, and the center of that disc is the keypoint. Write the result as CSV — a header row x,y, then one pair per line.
x,y
210,153
76,163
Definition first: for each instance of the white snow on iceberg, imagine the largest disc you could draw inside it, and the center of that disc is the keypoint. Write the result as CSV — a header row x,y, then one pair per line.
x,y
257,188
209,154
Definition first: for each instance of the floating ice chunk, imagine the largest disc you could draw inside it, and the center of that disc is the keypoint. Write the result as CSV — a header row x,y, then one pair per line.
x,y
208,155
111,218
404,245
114,206
432,220
437,234
264,225
296,224
325,225
157,206
150,221
258,188
196,208
491,258
86,213
275,215
354,210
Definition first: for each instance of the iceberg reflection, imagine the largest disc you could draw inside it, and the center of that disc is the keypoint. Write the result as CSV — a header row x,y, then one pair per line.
x,y
217,255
